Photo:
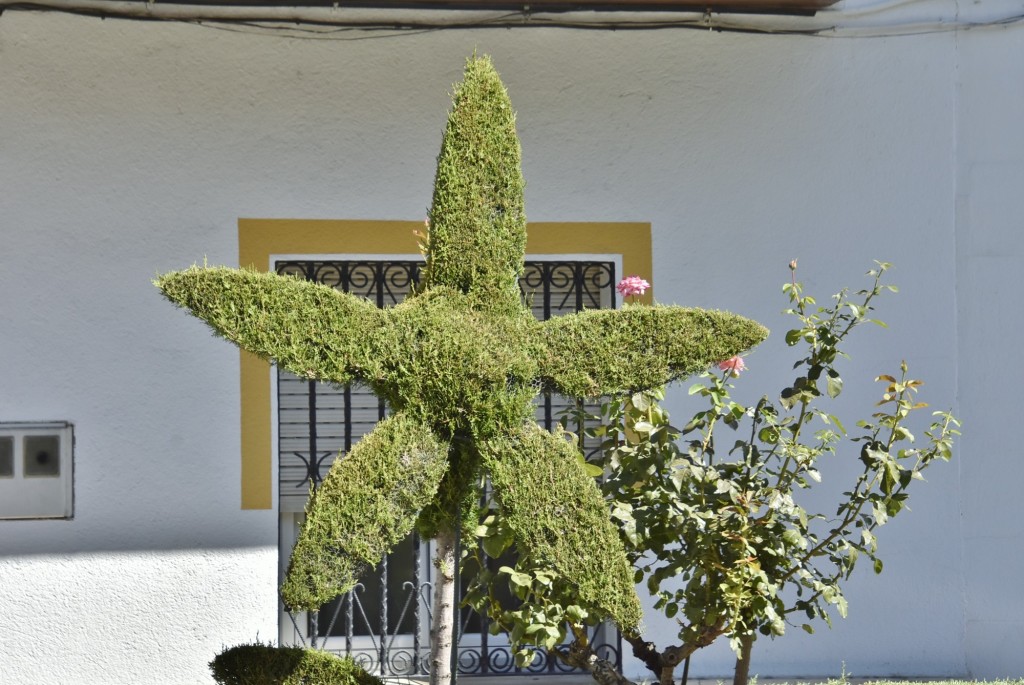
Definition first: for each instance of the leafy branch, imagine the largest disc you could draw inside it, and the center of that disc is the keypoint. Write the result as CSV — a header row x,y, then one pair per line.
x,y
718,535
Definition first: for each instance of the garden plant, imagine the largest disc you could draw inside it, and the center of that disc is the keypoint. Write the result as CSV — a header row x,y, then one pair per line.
x,y
264,664
711,515
459,363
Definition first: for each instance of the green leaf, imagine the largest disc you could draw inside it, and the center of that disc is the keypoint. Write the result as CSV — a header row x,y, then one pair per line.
x,y
894,505
497,543
878,565
515,577
842,606
808,628
544,577
575,614
834,384
880,514
793,538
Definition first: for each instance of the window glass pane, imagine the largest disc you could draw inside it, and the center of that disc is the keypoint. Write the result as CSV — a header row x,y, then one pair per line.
x,y
6,457
42,455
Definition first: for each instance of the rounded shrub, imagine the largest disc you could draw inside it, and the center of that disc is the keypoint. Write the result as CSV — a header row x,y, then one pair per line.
x,y
260,664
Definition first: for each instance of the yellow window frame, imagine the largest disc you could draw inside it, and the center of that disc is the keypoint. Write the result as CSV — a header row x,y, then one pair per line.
x,y
260,239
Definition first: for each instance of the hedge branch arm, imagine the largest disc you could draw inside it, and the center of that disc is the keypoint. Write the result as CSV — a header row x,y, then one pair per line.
x,y
309,329
604,352
368,503
558,517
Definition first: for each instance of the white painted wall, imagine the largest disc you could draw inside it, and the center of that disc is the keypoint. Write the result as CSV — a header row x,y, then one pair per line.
x,y
989,252
127,149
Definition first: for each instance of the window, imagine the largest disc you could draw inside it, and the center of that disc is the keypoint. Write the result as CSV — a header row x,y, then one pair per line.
x,y
317,421
291,429
383,622
36,470
261,242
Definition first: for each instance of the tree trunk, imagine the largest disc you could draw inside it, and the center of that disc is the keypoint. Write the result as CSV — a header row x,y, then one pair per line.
x,y
670,658
442,621
581,656
742,673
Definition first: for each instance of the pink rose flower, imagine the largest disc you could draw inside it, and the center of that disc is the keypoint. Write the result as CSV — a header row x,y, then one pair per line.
x,y
733,365
632,285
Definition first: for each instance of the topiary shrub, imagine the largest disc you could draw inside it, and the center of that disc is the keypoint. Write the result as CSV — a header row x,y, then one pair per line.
x,y
260,664
459,363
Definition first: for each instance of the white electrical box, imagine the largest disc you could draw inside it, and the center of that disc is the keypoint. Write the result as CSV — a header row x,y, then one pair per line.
x,y
36,470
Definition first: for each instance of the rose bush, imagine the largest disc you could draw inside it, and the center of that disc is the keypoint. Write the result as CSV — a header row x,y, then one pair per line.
x,y
713,522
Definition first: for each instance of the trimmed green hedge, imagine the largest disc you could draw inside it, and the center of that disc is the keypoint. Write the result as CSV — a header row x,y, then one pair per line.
x,y
459,363
477,235
259,664
370,501
607,351
559,518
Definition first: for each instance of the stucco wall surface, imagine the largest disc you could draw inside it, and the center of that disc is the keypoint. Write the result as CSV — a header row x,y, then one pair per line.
x,y
990,175
137,616
128,149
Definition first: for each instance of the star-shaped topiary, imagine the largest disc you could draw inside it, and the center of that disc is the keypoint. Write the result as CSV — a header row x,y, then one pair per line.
x,y
459,363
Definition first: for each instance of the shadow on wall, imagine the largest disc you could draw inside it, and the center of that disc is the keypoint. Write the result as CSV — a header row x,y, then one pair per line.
x,y
192,528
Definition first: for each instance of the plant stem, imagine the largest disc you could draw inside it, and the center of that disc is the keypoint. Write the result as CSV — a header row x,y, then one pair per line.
x,y
580,655
442,620
742,673
837,531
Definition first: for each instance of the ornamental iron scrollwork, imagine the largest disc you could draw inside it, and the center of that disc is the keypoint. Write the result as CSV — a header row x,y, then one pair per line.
x,y
384,621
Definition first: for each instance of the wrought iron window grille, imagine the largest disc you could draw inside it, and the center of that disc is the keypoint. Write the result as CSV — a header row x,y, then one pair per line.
x,y
382,623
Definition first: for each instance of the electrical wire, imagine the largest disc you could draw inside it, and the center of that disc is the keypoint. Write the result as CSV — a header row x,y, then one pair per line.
x,y
321,24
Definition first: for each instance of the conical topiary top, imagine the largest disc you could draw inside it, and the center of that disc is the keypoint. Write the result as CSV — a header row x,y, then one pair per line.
x,y
477,233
